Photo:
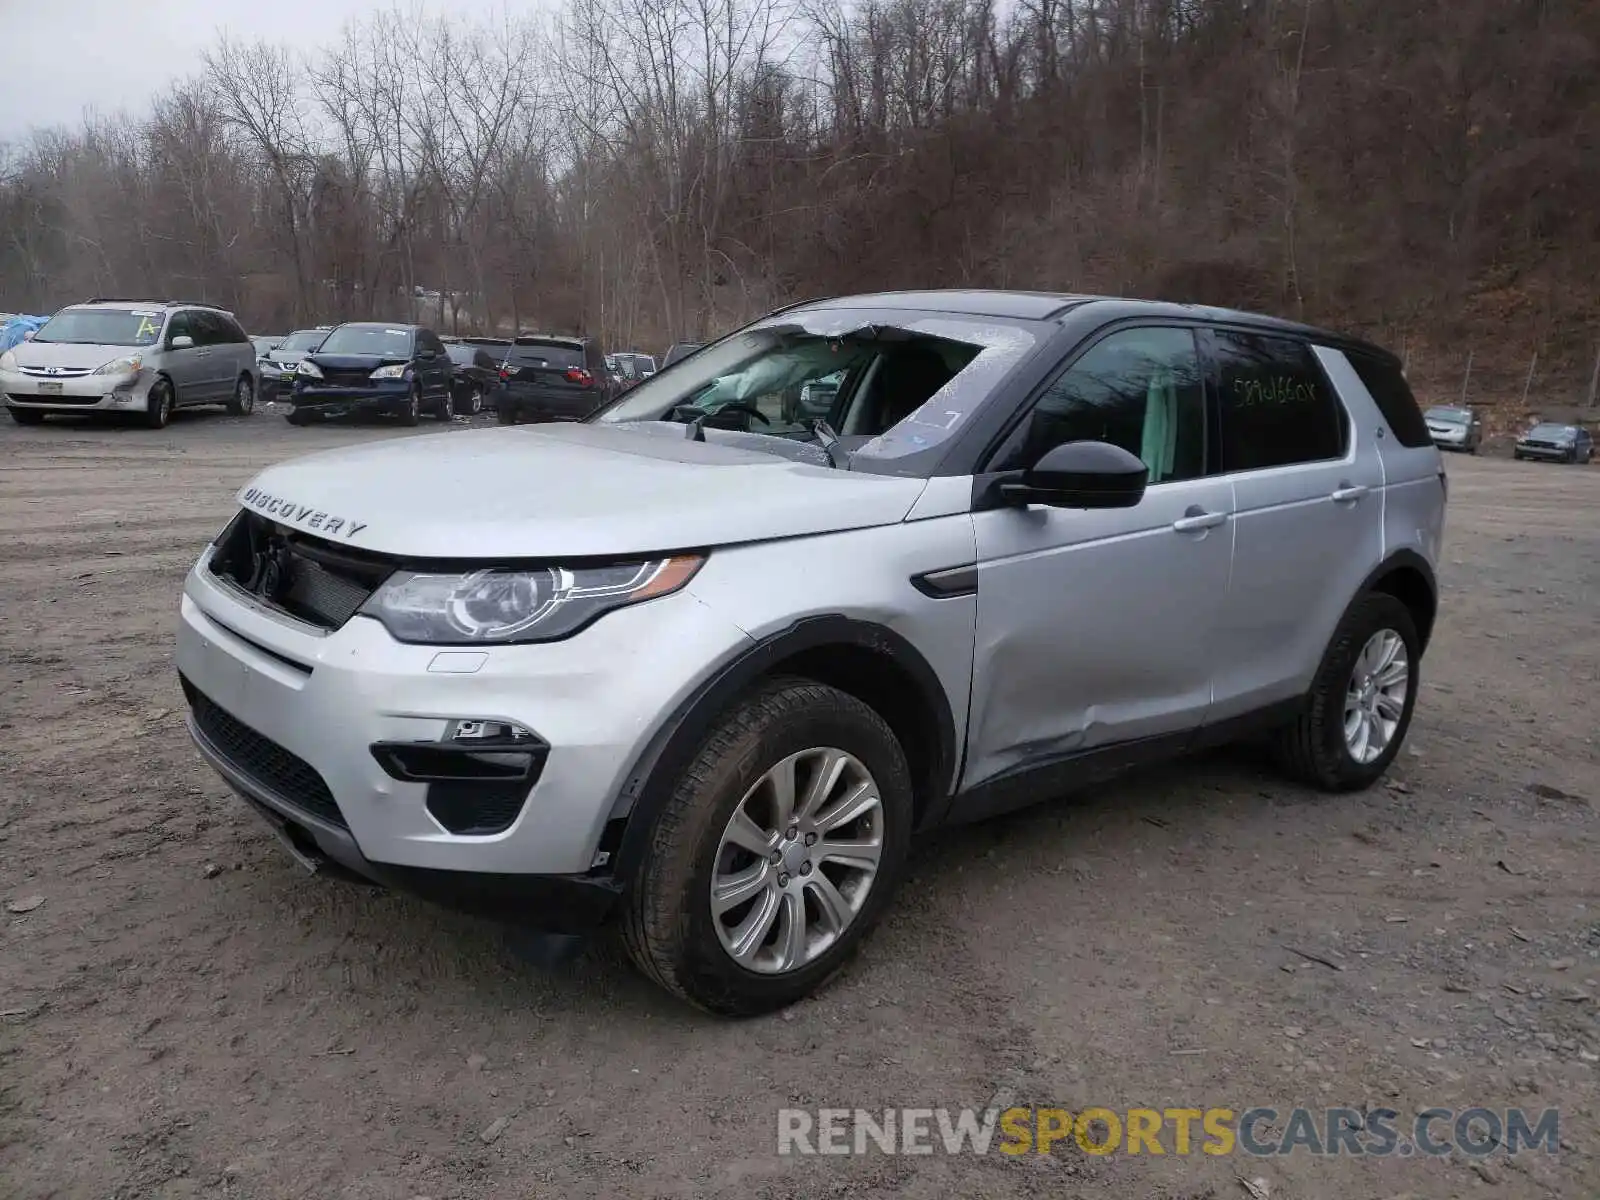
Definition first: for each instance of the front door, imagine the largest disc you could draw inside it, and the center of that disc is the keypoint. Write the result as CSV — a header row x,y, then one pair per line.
x,y
1308,525
186,366
1096,626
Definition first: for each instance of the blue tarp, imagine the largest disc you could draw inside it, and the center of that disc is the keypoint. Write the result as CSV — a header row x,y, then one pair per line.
x,y
12,329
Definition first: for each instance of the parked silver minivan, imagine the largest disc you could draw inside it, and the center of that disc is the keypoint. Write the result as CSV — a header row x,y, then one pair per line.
x,y
140,356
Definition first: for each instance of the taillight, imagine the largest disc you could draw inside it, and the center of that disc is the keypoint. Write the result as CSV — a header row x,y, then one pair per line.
x,y
504,374
580,377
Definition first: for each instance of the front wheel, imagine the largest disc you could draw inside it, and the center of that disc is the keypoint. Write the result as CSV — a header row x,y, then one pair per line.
x,y
445,409
158,405
243,401
776,853
1360,704
412,412
474,404
26,416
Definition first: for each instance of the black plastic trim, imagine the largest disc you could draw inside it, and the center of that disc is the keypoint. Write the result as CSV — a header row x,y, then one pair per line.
x,y
452,762
948,583
653,775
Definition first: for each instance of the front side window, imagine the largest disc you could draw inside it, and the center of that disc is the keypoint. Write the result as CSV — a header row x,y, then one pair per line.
x,y
1140,389
1277,410
102,327
375,340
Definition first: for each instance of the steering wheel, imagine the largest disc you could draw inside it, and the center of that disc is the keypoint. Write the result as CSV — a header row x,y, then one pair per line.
x,y
741,407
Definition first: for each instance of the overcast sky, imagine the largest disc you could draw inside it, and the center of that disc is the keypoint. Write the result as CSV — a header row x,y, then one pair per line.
x,y
59,58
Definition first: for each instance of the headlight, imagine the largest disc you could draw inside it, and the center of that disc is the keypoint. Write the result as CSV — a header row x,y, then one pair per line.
x,y
309,369
393,371
122,366
539,605
8,361
268,367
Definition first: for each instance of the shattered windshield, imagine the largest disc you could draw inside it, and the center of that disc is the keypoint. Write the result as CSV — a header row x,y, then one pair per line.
x,y
888,385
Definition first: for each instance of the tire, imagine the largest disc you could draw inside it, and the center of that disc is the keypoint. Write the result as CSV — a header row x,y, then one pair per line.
x,y
243,401
1315,749
158,405
446,408
669,927
506,414
1515,456
412,412
26,416
297,418
474,402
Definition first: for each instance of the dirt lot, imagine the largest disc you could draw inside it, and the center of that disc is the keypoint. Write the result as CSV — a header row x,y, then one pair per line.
x,y
187,1013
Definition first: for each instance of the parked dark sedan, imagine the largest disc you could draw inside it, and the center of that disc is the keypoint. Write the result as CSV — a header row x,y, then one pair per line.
x,y
1554,442
475,377
551,377
370,367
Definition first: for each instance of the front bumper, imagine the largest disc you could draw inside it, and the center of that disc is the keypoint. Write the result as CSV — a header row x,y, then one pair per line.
x,y
1450,441
325,699
380,397
1550,453
79,393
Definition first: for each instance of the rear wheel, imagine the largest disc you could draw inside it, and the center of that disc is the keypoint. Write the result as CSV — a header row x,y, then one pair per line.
x,y
1361,699
27,416
298,418
474,403
776,853
243,401
158,405
446,406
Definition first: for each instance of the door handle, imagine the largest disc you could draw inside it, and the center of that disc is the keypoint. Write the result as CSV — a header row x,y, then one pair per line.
x,y
1195,517
1347,493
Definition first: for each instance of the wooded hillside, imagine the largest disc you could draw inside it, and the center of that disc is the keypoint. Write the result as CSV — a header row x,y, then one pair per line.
x,y
1427,171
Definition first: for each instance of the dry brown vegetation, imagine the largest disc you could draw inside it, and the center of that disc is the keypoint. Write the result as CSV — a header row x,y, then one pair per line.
x,y
1426,171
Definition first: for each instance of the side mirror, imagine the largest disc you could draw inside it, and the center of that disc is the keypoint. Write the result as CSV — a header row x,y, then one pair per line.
x,y
27,335
182,342
1081,475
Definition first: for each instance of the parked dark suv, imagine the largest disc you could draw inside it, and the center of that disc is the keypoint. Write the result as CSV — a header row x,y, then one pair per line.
x,y
550,377
372,367
476,374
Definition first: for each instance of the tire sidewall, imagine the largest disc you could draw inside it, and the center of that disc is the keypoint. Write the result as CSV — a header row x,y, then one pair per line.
x,y
1370,615
244,396
159,404
850,727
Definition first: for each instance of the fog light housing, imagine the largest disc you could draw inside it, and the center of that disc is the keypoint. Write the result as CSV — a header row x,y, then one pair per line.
x,y
478,776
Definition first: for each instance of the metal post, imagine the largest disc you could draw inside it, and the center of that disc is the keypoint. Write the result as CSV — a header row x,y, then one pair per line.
x,y
1528,383
1466,379
1594,379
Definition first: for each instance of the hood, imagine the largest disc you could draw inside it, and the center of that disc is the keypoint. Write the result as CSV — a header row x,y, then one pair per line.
x,y
285,356
70,354
566,491
355,362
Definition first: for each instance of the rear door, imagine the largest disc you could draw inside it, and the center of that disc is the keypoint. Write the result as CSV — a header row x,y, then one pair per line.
x,y
434,369
1308,514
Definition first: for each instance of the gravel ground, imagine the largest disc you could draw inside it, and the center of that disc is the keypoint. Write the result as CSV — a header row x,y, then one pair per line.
x,y
187,1013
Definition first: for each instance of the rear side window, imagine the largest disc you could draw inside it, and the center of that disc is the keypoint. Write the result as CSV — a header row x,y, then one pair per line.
x,y
1387,384
1277,409
546,354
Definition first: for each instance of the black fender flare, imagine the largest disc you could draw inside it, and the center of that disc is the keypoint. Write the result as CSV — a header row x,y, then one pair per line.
x,y
1400,560
649,781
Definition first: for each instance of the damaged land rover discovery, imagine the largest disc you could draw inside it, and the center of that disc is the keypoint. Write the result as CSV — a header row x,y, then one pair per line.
x,y
705,662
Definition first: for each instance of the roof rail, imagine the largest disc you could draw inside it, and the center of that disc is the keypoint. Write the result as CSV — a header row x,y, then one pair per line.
x,y
194,304
120,300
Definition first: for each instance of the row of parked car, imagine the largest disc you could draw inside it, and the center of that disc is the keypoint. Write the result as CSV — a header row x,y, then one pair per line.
x,y
408,371
1461,429
148,358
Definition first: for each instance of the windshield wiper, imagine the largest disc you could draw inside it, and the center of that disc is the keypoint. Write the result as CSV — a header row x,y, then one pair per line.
x,y
838,456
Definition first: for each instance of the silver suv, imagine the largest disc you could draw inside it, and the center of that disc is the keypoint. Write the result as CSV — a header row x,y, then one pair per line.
x,y
706,668
121,356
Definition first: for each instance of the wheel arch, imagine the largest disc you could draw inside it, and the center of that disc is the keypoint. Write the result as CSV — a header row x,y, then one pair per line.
x,y
1410,579
867,660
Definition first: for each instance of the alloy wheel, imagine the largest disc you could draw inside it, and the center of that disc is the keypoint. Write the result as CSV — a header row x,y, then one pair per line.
x,y
1375,699
797,860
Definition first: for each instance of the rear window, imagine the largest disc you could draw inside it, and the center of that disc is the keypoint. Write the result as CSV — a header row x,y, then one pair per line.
x,y
464,355
546,354
1387,384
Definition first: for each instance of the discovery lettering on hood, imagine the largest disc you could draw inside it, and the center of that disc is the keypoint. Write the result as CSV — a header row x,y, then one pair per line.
x,y
328,524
